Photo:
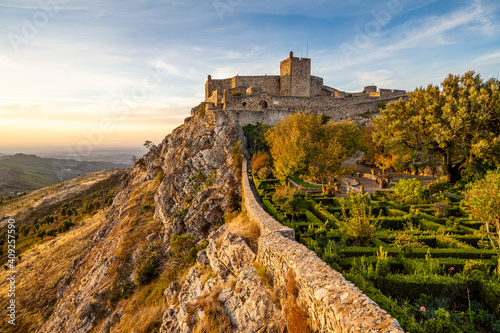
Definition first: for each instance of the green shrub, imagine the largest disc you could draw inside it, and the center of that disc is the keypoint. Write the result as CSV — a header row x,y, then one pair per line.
x,y
408,191
403,316
382,267
290,200
236,93
147,264
269,207
358,225
449,242
441,324
395,212
475,265
490,293
159,176
310,217
412,286
262,273
265,172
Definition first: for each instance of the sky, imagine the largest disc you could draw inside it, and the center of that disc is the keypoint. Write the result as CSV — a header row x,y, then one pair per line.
x,y
82,75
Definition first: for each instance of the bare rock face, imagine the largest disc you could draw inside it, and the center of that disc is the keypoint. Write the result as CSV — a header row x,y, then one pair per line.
x,y
235,254
236,287
199,182
250,307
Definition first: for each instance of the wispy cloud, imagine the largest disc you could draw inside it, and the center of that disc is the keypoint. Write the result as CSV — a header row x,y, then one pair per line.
x,y
96,52
426,33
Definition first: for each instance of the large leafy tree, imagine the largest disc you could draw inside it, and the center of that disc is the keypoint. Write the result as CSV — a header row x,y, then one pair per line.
x,y
336,142
483,199
308,144
291,143
459,124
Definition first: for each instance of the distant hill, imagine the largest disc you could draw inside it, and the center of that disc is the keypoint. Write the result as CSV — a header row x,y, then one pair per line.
x,y
21,172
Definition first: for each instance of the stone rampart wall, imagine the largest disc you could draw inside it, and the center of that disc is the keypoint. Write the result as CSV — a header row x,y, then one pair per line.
x,y
268,83
274,116
255,212
333,303
337,108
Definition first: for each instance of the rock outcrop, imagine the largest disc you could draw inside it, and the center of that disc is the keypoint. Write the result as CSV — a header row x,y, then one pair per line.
x,y
233,285
199,182
192,179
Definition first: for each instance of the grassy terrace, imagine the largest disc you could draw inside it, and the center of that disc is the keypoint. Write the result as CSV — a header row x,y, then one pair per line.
x,y
301,182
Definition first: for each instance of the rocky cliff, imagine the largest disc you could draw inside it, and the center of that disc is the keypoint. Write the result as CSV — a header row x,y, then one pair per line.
x,y
183,186
178,252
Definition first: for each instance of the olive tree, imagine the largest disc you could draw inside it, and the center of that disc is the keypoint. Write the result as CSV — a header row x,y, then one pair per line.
x,y
459,124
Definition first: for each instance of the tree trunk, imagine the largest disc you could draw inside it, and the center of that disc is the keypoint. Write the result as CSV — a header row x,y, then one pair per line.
x,y
497,226
489,235
452,170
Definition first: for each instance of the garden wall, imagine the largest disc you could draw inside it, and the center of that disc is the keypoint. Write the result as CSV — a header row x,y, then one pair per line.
x,y
333,303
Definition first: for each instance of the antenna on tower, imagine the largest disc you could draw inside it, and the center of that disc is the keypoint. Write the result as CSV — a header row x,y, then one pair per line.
x,y
307,52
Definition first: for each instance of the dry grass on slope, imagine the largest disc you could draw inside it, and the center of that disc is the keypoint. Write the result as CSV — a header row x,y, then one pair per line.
x,y
41,268
54,194
239,224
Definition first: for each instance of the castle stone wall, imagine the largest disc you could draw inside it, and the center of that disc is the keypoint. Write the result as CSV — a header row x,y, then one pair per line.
x,y
301,77
332,303
215,84
269,83
337,108
316,85
286,78
268,117
294,89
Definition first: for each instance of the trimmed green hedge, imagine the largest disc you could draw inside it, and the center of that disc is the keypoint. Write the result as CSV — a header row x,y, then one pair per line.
x,y
402,315
412,286
429,225
443,241
420,252
310,217
468,239
470,224
394,223
404,208
490,293
271,210
440,220
393,212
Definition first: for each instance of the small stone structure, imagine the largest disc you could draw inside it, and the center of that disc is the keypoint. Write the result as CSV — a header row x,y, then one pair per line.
x,y
295,89
333,303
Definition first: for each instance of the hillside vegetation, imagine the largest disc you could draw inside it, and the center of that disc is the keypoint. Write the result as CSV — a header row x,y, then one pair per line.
x,y
21,172
54,225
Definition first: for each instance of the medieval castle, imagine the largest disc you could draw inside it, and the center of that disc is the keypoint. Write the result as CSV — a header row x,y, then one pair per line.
x,y
295,89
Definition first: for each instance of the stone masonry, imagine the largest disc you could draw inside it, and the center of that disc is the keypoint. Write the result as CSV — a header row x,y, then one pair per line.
x,y
333,303
295,89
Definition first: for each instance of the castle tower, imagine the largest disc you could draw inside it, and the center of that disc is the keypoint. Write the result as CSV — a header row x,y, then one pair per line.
x,y
295,77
